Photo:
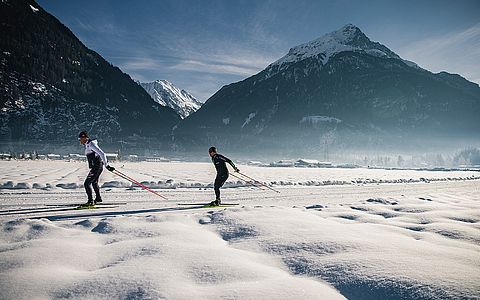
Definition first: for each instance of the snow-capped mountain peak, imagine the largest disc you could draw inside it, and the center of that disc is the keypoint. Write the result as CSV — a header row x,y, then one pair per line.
x,y
347,38
165,93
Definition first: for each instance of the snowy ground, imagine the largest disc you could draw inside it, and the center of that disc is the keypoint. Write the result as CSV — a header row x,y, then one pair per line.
x,y
330,233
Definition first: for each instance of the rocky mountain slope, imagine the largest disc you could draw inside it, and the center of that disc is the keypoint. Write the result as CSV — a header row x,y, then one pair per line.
x,y
166,94
340,90
51,85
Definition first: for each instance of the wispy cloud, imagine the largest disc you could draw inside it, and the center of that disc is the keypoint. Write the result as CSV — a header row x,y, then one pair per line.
x,y
456,52
240,62
203,67
140,63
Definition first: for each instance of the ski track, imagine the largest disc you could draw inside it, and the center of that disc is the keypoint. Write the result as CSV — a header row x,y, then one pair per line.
x,y
365,241
70,175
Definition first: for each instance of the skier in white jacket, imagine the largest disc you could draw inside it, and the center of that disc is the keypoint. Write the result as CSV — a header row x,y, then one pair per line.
x,y
96,160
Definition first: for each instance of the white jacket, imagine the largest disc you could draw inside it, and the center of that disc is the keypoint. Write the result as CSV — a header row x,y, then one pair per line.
x,y
92,147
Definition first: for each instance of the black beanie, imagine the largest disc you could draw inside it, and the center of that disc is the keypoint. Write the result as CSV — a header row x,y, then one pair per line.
x,y
83,134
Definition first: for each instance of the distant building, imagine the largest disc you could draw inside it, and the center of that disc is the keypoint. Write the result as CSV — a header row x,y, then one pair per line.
x,y
348,166
75,156
308,163
156,159
325,164
5,156
312,163
112,156
133,157
53,156
283,163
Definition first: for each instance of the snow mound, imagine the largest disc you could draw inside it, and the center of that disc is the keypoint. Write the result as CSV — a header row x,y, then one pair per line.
x,y
68,186
382,201
172,257
315,206
116,184
12,186
365,257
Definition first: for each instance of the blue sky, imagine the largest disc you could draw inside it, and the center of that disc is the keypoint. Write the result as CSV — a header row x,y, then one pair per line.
x,y
202,45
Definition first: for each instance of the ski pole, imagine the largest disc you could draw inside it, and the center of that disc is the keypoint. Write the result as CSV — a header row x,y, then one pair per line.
x,y
259,182
243,179
118,173
137,183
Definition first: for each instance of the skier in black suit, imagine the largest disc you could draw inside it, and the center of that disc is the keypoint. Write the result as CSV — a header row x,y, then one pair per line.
x,y
222,172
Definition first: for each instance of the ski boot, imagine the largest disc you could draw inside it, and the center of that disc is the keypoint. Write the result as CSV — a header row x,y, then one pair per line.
x,y
97,200
89,204
215,203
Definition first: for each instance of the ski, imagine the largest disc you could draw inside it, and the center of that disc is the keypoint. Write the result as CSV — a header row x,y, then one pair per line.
x,y
93,207
217,206
78,204
208,204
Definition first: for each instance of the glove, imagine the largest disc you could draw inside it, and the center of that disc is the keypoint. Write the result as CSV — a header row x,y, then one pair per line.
x,y
237,170
110,168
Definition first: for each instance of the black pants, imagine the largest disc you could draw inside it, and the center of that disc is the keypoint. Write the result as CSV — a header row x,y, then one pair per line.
x,y
92,181
219,181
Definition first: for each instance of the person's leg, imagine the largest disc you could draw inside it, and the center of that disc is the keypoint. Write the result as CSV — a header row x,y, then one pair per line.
x,y
216,187
219,182
95,186
87,184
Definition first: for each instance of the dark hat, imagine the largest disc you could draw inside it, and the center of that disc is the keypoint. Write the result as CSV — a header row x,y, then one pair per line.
x,y
212,149
83,134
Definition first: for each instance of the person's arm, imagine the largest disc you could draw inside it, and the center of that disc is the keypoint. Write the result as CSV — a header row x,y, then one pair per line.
x,y
99,151
228,160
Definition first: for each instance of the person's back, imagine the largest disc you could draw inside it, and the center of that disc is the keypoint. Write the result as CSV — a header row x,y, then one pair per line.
x,y
95,155
220,163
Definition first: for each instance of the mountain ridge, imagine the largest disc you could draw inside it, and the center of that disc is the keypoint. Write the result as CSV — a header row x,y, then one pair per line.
x,y
166,94
39,49
380,99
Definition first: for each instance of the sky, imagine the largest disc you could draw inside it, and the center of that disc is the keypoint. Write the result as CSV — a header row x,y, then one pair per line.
x,y
201,46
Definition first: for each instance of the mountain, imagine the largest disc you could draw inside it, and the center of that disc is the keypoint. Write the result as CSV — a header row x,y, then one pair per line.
x,y
166,94
52,86
341,90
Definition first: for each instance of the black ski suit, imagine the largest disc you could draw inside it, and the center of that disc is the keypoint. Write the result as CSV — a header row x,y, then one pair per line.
x,y
222,172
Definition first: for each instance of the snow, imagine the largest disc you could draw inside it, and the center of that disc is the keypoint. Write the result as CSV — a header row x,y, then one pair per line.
x,y
34,9
39,88
376,52
411,64
165,93
319,119
248,119
179,175
367,240
329,45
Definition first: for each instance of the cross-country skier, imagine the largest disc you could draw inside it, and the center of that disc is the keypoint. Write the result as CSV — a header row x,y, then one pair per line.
x,y
96,159
222,172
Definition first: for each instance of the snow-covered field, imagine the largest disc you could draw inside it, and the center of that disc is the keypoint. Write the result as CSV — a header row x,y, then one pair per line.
x,y
330,233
